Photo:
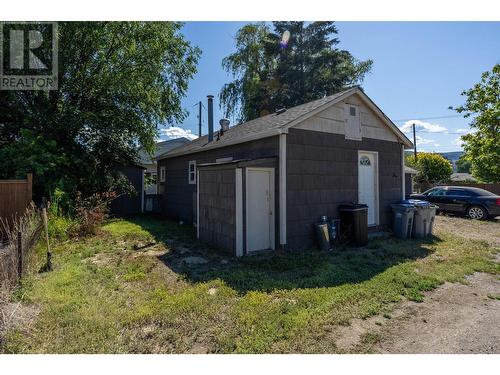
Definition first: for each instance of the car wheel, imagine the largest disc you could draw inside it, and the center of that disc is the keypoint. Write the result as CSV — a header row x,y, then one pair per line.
x,y
477,213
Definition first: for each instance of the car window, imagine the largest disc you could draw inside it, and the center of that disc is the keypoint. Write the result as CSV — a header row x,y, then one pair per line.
x,y
484,193
459,192
435,192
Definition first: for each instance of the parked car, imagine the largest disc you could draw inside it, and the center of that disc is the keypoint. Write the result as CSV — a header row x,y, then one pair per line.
x,y
474,202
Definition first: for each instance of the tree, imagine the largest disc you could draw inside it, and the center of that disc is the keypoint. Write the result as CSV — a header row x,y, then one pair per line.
x,y
272,71
432,168
463,165
117,82
482,146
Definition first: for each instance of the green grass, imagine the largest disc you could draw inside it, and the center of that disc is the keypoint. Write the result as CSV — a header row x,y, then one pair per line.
x,y
104,296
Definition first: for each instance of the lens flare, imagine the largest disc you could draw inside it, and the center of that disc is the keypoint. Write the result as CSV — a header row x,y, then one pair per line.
x,y
284,39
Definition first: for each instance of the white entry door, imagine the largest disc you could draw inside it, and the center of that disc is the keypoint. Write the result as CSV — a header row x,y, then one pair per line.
x,y
367,184
259,209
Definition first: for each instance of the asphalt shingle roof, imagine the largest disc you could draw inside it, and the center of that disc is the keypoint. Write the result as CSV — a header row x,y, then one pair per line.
x,y
259,125
162,148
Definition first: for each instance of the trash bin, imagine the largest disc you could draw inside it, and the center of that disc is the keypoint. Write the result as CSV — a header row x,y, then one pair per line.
x,y
354,223
431,214
423,220
323,234
403,219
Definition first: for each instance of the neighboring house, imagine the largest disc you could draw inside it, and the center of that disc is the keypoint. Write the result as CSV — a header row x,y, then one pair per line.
x,y
145,199
129,205
149,162
264,183
462,177
410,173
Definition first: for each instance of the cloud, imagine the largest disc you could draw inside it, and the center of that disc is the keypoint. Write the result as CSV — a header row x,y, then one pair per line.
x,y
423,141
422,125
458,141
173,132
462,131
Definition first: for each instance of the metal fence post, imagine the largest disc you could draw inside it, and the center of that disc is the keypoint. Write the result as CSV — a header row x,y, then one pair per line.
x,y
19,254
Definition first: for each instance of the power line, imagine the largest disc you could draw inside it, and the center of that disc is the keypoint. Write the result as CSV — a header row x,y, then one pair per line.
x,y
446,132
428,118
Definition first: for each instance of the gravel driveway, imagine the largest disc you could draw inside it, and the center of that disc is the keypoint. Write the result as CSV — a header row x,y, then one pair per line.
x,y
455,318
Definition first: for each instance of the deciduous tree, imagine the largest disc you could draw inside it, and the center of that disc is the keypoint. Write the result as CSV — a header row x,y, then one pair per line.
x,y
117,82
432,167
482,146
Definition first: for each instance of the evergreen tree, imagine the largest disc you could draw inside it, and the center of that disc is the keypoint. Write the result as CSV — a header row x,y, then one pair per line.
x,y
291,64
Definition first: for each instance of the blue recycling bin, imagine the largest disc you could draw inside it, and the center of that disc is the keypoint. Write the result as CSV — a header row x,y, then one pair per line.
x,y
403,219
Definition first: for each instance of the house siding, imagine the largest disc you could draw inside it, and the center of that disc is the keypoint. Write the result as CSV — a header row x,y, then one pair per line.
x,y
129,204
217,205
322,172
408,184
178,197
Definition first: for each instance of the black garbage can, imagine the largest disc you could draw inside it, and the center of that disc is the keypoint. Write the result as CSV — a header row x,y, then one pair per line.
x,y
354,223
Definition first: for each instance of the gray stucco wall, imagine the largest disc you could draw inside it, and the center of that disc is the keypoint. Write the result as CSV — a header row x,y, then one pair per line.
x,y
178,197
322,172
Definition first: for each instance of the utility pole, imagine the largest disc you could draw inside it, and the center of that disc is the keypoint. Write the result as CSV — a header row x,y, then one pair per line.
x,y
199,118
414,142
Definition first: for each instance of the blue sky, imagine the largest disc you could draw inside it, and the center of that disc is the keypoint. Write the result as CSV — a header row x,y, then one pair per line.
x,y
420,69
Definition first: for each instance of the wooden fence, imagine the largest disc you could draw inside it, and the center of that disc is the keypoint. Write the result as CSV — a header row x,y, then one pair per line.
x,y
15,196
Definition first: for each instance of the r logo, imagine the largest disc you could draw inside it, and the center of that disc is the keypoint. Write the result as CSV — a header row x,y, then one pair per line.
x,y
28,56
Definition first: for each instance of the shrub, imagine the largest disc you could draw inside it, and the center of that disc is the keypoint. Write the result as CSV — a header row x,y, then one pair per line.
x,y
60,223
432,167
91,212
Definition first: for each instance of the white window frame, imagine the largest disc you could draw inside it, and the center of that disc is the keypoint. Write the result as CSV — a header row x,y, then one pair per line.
x,y
163,174
192,174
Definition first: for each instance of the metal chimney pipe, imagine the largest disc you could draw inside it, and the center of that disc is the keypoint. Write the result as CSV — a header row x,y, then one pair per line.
x,y
210,118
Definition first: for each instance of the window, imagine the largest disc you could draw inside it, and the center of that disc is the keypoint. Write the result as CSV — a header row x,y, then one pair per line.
x,y
163,173
192,172
459,192
352,111
365,160
435,192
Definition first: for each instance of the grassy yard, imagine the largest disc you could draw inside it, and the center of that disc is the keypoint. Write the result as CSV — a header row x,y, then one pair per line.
x,y
142,287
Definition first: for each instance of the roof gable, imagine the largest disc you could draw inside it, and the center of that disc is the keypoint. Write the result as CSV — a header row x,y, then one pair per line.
x,y
278,123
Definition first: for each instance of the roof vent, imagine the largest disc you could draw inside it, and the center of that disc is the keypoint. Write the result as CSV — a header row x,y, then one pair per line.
x,y
224,124
280,111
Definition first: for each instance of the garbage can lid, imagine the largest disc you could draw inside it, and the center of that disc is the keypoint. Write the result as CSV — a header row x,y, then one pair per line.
x,y
402,206
416,202
352,207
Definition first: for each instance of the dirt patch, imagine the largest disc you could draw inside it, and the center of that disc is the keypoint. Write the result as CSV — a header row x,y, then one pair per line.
x,y
455,318
488,231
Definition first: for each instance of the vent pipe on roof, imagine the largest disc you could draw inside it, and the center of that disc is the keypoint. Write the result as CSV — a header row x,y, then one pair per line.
x,y
224,124
210,118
